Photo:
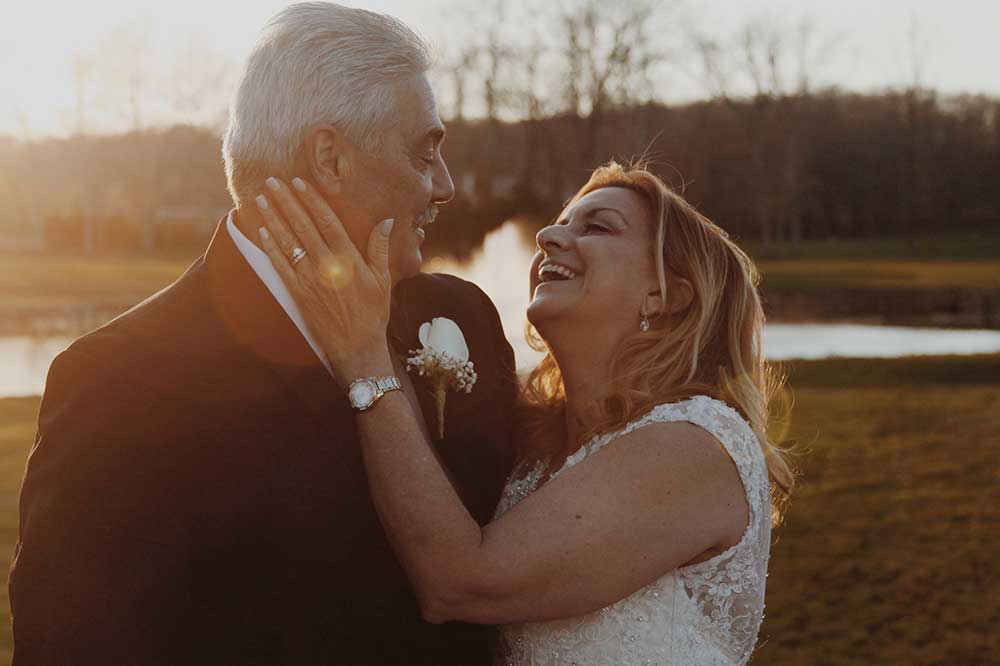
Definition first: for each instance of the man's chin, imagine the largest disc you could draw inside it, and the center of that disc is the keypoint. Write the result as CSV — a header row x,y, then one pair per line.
x,y
408,266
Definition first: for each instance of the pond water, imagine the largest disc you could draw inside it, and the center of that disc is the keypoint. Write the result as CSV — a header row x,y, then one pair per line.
x,y
25,360
500,268
506,281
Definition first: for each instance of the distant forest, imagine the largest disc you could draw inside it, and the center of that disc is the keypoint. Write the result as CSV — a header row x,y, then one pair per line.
x,y
768,169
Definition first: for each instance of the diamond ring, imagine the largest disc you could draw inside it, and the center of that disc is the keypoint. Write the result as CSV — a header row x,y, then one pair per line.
x,y
298,254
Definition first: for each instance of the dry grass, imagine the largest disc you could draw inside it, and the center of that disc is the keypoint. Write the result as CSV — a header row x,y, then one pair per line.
x,y
981,243
53,281
821,274
888,552
17,429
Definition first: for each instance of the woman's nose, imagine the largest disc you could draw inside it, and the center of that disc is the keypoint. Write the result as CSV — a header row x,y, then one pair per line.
x,y
553,237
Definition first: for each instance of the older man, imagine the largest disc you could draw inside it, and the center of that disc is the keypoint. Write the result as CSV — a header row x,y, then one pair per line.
x,y
196,493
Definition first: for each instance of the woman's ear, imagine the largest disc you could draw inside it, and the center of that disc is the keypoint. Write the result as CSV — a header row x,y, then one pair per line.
x,y
328,158
680,293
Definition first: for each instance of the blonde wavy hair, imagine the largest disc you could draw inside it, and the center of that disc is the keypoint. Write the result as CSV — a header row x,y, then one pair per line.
x,y
713,346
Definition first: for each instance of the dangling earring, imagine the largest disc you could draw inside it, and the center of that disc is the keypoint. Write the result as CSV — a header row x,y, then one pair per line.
x,y
643,321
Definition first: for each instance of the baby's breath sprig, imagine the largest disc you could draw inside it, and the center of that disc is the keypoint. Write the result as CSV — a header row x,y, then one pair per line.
x,y
443,370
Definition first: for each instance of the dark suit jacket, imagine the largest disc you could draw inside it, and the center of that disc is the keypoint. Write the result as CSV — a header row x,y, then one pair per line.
x,y
196,492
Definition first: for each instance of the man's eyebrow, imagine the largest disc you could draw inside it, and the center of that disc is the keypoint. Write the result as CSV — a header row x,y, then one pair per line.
x,y
594,211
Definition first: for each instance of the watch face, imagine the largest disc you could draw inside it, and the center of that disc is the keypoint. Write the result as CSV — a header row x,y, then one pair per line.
x,y
362,394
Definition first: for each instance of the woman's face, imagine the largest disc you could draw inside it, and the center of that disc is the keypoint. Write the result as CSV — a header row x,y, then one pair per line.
x,y
594,265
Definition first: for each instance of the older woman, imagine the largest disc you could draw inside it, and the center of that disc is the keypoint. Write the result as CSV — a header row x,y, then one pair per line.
x,y
636,526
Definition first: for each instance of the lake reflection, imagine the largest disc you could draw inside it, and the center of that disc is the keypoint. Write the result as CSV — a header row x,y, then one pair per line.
x,y
25,361
501,269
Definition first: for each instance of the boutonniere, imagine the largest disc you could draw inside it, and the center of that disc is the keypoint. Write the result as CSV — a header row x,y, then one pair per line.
x,y
444,361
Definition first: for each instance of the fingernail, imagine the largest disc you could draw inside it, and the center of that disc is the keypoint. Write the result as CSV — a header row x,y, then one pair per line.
x,y
261,202
387,226
264,234
299,184
273,183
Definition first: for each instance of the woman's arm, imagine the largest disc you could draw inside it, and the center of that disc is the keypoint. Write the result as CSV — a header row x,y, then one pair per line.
x,y
649,503
646,504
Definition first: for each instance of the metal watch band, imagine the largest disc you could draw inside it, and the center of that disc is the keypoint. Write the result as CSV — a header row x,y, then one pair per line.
x,y
386,384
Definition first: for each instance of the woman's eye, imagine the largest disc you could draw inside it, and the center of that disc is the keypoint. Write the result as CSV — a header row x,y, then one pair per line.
x,y
600,228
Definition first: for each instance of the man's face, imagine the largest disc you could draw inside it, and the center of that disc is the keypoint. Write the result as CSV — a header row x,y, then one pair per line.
x,y
405,180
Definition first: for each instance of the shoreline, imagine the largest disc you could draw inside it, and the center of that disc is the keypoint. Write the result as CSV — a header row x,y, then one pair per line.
x,y
948,309
918,369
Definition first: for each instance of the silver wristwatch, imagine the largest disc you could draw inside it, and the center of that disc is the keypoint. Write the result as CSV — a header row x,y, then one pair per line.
x,y
363,393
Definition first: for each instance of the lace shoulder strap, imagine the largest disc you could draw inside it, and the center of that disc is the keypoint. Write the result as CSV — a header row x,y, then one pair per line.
x,y
724,422
715,416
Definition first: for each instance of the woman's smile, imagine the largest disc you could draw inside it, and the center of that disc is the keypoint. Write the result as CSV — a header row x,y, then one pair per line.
x,y
598,253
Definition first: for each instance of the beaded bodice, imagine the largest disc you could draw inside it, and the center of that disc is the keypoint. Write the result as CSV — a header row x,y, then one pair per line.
x,y
707,613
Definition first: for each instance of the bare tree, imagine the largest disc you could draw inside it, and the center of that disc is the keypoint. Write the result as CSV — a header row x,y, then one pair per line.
x,y
916,52
479,68
123,72
911,176
459,68
609,60
779,64
82,71
197,84
531,103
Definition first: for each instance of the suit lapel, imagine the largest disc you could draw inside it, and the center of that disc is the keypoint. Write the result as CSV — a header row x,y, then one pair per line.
x,y
261,327
404,327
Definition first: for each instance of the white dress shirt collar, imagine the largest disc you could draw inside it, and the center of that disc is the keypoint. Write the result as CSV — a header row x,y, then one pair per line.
x,y
261,265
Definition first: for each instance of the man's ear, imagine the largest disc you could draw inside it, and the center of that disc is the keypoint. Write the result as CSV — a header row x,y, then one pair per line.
x,y
328,155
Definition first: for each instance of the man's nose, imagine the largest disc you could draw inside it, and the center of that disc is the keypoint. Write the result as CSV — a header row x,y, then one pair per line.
x,y
444,188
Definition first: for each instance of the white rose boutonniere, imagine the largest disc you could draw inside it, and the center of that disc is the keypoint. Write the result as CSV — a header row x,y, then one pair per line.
x,y
444,361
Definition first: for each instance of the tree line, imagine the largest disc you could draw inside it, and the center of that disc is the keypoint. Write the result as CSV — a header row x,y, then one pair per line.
x,y
767,168
772,169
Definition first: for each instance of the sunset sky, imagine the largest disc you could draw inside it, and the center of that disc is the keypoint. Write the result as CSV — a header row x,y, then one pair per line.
x,y
42,42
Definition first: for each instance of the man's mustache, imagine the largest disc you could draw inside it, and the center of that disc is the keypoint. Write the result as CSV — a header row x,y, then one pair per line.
x,y
427,217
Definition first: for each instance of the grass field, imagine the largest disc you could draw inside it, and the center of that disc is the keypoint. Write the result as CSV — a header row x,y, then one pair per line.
x,y
52,281
888,552
957,246
810,275
17,427
57,281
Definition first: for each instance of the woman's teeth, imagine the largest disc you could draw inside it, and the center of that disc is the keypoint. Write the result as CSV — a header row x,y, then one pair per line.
x,y
561,271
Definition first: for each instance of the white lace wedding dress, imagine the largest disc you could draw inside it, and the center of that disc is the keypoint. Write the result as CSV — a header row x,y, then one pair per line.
x,y
705,614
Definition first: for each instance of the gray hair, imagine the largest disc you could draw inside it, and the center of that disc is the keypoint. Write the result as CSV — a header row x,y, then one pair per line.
x,y
315,62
